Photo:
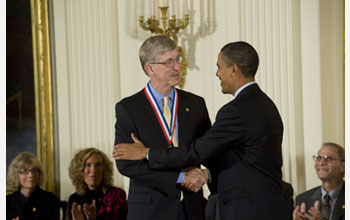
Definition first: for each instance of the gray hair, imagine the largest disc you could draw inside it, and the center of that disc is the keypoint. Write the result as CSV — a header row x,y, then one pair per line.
x,y
243,55
23,161
153,47
341,151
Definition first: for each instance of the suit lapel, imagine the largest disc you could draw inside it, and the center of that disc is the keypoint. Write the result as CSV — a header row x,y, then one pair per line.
x,y
182,118
339,207
317,195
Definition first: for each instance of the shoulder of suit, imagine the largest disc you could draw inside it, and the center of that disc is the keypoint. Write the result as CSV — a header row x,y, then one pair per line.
x,y
308,192
134,97
12,195
184,93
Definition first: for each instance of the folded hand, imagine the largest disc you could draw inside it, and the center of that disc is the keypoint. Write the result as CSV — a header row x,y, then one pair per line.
x,y
127,151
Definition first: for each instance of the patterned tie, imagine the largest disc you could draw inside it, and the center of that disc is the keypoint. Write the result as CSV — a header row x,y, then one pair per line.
x,y
167,116
326,208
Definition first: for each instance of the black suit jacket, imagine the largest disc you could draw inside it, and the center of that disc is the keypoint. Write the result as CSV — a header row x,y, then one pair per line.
x,y
155,194
310,197
243,152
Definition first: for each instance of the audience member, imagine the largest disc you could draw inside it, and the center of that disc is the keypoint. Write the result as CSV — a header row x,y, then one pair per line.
x,y
29,201
92,175
325,202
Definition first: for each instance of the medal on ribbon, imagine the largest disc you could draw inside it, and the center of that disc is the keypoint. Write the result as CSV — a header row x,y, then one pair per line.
x,y
168,131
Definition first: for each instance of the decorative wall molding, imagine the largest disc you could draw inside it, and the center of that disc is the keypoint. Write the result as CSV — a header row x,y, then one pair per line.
x,y
92,77
43,90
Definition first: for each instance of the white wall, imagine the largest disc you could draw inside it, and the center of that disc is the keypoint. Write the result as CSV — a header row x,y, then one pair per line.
x,y
87,77
97,63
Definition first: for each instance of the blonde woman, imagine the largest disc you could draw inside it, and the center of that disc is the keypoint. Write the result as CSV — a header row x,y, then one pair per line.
x,y
96,198
29,201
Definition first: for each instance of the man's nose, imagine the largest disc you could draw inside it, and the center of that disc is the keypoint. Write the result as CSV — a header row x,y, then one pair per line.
x,y
322,161
177,66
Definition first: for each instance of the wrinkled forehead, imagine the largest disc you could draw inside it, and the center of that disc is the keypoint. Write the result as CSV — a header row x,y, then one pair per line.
x,y
328,150
168,55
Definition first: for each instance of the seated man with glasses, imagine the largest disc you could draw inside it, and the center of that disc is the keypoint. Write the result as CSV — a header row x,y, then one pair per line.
x,y
328,200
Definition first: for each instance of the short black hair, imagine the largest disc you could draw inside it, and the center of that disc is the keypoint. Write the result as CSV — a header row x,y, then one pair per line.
x,y
243,55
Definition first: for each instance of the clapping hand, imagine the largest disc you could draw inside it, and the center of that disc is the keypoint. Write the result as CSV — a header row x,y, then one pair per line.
x,y
76,211
313,213
90,210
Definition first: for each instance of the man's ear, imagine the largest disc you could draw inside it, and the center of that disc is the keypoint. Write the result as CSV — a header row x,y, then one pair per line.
x,y
235,68
148,69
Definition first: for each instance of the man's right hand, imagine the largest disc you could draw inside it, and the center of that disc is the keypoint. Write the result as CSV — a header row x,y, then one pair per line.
x,y
195,178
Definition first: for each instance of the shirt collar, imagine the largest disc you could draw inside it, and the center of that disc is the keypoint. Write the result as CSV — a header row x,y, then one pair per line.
x,y
159,97
243,87
333,193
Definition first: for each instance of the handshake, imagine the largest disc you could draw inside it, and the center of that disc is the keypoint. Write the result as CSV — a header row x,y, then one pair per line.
x,y
195,178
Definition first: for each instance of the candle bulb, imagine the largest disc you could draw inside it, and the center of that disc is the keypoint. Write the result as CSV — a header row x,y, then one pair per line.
x,y
153,8
185,8
163,3
210,11
140,8
172,8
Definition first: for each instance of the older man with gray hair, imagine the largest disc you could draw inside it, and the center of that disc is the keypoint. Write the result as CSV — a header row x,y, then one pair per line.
x,y
162,117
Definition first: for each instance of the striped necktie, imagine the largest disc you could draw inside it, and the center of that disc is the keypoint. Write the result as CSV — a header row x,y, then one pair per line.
x,y
326,208
167,116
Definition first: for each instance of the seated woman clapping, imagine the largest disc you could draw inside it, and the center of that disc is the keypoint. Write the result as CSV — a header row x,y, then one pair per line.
x,y
92,175
29,201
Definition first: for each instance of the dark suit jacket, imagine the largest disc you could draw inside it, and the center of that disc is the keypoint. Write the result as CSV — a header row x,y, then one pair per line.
x,y
310,197
155,194
243,152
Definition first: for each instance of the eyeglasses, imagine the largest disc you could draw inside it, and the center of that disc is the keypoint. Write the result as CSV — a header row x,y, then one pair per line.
x,y
170,62
326,158
26,171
